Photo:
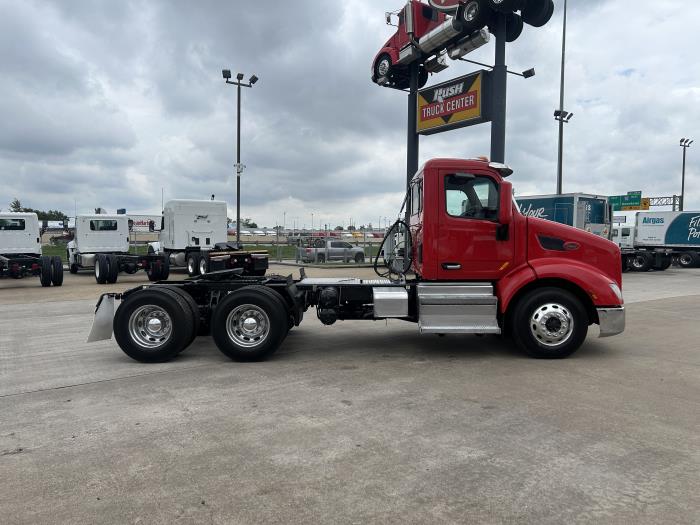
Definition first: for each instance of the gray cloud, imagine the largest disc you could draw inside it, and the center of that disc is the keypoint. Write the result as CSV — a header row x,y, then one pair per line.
x,y
108,102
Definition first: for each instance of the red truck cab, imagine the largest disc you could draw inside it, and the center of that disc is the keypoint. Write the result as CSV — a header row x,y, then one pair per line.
x,y
465,226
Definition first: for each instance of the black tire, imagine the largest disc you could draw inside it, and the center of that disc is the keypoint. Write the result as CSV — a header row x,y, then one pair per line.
x,y
383,62
688,260
506,6
320,258
538,12
193,309
154,270
101,268
544,305
642,262
664,263
57,271
131,268
625,263
173,341
473,15
359,258
113,271
72,268
165,268
422,77
204,265
193,264
46,264
251,346
514,27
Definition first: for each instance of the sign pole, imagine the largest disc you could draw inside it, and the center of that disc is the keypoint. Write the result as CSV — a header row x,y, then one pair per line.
x,y
499,79
412,138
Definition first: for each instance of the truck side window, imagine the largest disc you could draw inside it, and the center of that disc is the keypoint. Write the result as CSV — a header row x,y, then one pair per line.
x,y
12,224
625,232
471,197
416,198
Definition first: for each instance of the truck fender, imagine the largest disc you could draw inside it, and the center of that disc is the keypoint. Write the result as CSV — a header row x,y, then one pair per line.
x,y
589,279
155,246
508,286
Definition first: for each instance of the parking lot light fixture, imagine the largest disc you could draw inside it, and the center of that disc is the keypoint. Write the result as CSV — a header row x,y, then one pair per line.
x,y
226,73
685,144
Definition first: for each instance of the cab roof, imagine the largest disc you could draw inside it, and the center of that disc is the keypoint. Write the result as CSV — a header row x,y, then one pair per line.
x,y
461,164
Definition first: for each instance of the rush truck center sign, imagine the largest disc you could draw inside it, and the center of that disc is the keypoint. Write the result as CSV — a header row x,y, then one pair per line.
x,y
454,104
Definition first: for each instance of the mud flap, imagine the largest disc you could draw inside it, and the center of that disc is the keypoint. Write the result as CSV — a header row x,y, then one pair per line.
x,y
102,323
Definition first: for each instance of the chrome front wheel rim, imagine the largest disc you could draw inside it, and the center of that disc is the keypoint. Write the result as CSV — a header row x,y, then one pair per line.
x,y
150,326
383,67
552,325
248,325
202,266
471,11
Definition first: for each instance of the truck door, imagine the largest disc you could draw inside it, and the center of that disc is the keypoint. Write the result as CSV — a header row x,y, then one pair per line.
x,y
468,247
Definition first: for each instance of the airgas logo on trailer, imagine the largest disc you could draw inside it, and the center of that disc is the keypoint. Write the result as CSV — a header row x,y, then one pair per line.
x,y
653,221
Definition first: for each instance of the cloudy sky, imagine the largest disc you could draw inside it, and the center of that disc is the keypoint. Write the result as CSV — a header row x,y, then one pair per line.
x,y
104,103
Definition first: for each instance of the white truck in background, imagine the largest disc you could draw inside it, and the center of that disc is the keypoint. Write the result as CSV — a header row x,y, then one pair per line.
x,y
194,234
20,250
656,239
101,243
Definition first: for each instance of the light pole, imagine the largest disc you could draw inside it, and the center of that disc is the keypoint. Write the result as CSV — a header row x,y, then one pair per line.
x,y
685,144
239,167
561,115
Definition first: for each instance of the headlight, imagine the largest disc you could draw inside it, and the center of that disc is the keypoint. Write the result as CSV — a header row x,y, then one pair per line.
x,y
618,293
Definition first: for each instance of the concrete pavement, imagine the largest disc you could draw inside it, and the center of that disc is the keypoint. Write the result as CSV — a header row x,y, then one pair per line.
x,y
360,422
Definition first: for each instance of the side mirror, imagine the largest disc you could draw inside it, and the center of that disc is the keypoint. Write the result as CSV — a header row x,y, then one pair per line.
x,y
505,208
151,226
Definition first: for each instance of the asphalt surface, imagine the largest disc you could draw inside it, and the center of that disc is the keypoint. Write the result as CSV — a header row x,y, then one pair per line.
x,y
355,423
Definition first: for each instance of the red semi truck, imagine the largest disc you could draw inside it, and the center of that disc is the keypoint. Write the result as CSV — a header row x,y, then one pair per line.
x,y
468,263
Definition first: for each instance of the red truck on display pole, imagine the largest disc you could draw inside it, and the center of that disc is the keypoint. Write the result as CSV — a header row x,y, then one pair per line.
x,y
447,28
468,263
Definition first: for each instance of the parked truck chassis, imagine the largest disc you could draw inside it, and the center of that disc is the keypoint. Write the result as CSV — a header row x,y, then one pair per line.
x,y
49,269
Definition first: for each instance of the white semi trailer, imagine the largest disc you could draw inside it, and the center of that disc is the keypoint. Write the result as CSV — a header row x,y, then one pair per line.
x,y
194,234
657,238
101,243
20,250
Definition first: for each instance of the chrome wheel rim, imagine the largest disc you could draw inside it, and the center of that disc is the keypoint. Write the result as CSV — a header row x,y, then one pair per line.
x,y
97,268
638,262
248,325
552,325
150,326
202,267
685,259
471,11
383,67
190,266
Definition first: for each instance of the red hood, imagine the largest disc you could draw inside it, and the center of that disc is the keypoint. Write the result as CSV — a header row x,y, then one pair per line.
x,y
550,240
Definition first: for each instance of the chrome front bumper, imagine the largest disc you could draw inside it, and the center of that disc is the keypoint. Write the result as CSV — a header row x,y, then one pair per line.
x,y
611,321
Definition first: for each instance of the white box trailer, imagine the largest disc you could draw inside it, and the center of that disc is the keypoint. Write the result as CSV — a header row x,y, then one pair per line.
x,y
658,238
20,250
194,234
101,243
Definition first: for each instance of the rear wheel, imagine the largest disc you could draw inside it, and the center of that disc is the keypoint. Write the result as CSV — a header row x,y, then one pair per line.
x,y
153,325
473,16
57,271
642,262
113,268
193,264
250,324
688,260
101,269
664,263
506,6
549,323
320,258
192,306
538,12
46,269
514,27
203,265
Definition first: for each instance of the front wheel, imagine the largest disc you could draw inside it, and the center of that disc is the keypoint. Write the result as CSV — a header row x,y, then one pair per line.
x,y
382,67
642,262
250,324
549,323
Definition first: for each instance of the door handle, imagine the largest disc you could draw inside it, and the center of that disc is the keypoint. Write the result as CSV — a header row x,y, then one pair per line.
x,y
451,266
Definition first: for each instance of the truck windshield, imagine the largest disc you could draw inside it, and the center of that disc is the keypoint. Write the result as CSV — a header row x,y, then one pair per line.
x,y
12,224
103,226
